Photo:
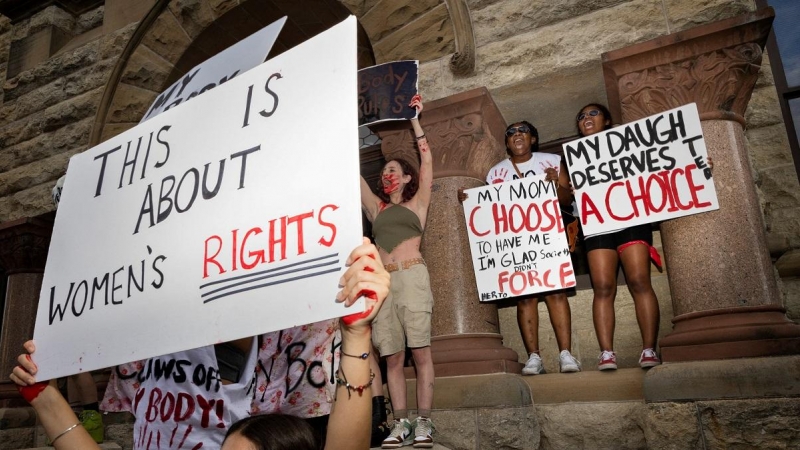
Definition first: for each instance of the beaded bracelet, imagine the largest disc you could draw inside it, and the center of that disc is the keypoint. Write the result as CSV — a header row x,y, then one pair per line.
x,y
342,381
361,356
63,433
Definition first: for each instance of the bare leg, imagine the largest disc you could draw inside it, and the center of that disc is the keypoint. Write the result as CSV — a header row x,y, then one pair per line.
x,y
425,378
528,321
636,264
396,381
560,318
603,270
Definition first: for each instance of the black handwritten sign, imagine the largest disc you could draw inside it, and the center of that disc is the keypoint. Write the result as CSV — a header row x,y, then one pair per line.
x,y
517,239
645,171
385,90
195,227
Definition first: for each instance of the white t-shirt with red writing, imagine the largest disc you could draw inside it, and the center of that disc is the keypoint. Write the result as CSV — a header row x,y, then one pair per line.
x,y
295,370
539,162
178,400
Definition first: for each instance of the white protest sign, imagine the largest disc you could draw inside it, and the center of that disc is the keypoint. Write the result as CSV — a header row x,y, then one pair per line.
x,y
227,218
234,60
517,239
646,171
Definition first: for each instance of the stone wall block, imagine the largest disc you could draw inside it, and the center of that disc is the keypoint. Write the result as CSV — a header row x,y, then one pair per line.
x,y
391,15
546,52
780,187
783,224
166,38
112,45
112,129
90,20
220,7
768,146
89,79
763,109
763,424
429,37
20,29
29,203
193,15
502,20
15,438
765,77
5,42
122,434
508,428
788,265
130,104
52,15
34,174
683,15
791,292
456,429
46,145
52,69
599,426
672,426
146,70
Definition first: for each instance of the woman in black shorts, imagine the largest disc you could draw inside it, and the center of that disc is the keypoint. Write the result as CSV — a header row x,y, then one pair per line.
x,y
633,248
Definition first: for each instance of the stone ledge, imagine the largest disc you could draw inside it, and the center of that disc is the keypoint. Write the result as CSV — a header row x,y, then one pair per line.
x,y
745,378
587,386
475,391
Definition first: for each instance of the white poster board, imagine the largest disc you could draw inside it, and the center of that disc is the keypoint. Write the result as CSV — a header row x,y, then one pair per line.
x,y
234,60
646,171
517,239
226,218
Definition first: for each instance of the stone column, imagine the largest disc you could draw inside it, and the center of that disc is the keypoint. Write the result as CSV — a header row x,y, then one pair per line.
x,y
465,132
23,252
724,291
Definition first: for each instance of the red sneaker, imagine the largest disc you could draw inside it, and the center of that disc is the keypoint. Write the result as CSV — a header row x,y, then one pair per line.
x,y
608,361
649,358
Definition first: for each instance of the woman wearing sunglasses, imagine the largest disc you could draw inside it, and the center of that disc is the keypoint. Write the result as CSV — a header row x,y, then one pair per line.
x,y
522,145
632,247
398,215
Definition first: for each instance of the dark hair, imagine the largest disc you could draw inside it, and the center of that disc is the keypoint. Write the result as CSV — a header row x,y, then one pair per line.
x,y
534,134
276,432
606,113
411,188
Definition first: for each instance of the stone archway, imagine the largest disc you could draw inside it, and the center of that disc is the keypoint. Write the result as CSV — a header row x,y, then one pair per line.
x,y
175,35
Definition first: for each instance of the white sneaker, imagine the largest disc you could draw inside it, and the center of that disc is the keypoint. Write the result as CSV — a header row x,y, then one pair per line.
x,y
568,363
400,435
423,433
534,365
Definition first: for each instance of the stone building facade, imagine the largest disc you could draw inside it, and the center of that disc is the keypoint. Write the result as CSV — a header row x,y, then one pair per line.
x,y
76,72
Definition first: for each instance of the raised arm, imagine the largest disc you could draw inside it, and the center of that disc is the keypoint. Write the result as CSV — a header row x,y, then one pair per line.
x,y
423,196
58,419
370,202
352,408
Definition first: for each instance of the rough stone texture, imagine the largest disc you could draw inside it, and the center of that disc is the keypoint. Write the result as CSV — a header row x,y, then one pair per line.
x,y
130,104
763,109
617,425
508,428
89,20
112,45
768,146
426,38
682,15
16,438
386,17
456,429
359,7
791,289
166,38
503,19
46,145
746,424
147,70
193,15
52,15
122,434
672,426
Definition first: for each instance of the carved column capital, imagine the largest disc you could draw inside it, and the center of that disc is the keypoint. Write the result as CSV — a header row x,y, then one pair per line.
x,y
714,65
463,60
465,132
24,244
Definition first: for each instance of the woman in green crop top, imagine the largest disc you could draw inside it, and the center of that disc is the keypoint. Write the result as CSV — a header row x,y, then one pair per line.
x,y
398,214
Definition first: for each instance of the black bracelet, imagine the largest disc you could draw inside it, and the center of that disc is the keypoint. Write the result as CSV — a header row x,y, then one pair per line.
x,y
420,137
361,356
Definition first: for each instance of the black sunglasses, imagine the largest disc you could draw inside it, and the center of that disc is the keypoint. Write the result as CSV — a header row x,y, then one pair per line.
x,y
522,129
592,113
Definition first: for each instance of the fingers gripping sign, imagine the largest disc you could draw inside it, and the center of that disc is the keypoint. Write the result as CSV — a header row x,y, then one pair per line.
x,y
365,277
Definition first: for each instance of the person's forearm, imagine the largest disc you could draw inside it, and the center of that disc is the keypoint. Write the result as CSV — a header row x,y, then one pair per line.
x,y
417,128
57,417
349,423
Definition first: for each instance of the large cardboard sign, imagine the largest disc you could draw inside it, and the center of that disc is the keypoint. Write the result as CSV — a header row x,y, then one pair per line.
x,y
234,60
385,90
517,239
646,171
225,218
